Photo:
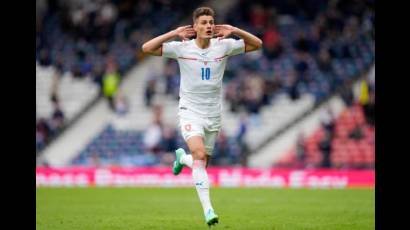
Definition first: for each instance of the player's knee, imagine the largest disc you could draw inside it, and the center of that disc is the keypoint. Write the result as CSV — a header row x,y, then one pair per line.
x,y
199,154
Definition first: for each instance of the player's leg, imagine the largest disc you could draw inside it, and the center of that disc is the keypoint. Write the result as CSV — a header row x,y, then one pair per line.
x,y
192,125
187,159
189,127
181,159
197,147
209,142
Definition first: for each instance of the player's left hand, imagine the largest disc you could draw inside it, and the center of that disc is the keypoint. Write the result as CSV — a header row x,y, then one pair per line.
x,y
223,31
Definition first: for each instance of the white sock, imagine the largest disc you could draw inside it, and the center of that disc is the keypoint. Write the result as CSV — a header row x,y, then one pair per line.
x,y
186,160
201,181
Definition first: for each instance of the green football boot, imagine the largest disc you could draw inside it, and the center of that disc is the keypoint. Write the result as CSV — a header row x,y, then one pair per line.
x,y
177,168
211,218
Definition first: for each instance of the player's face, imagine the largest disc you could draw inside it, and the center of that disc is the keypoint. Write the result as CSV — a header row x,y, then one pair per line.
x,y
204,27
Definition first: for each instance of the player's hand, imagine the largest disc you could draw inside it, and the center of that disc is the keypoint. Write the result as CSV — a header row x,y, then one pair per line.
x,y
223,31
185,32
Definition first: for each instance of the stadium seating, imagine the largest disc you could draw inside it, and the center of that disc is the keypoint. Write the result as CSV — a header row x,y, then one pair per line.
x,y
346,152
74,93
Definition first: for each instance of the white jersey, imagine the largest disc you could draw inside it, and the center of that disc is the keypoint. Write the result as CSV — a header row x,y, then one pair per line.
x,y
202,72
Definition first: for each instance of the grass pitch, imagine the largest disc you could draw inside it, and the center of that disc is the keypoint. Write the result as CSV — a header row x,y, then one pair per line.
x,y
179,208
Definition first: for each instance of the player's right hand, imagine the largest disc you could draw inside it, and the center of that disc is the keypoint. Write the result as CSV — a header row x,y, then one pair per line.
x,y
185,32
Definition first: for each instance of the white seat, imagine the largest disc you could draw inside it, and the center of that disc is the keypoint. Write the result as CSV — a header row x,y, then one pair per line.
x,y
74,94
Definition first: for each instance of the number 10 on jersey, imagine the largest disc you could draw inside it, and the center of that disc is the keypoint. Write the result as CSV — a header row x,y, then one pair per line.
x,y
206,73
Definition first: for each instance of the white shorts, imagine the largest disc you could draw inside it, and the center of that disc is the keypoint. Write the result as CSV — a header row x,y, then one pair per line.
x,y
192,124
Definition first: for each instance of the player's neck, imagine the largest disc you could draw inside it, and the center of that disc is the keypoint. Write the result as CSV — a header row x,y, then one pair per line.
x,y
203,43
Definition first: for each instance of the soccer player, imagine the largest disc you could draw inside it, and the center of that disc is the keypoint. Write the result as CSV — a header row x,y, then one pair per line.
x,y
202,64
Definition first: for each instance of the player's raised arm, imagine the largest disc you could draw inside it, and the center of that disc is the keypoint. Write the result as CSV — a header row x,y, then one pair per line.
x,y
153,46
251,41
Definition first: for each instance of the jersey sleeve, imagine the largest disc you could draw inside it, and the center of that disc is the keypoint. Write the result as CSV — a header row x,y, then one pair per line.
x,y
235,47
171,49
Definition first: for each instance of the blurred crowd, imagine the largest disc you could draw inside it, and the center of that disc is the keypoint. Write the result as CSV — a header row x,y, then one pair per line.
x,y
97,39
315,49
80,36
355,127
47,128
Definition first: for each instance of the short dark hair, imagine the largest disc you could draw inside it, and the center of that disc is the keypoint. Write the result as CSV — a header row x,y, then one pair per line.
x,y
204,10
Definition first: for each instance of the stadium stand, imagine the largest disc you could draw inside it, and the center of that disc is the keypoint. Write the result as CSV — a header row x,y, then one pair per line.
x,y
308,54
74,94
351,146
80,38
69,98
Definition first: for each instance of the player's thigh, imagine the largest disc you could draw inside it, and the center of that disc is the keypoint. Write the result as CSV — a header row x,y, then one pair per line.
x,y
211,133
209,141
192,131
190,126
197,147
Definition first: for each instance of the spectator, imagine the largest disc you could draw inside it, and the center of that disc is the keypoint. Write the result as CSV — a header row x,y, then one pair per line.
x,y
40,139
76,70
45,59
257,16
364,93
111,81
97,76
169,139
333,18
347,93
371,79
302,68
240,139
301,44
325,148
43,132
121,104
324,62
55,81
57,118
232,95
272,42
314,40
328,121
356,133
252,104
292,84
271,87
300,151
242,128
369,110
170,74
153,134
150,89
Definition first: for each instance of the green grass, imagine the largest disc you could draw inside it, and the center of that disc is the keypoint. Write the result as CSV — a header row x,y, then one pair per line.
x,y
179,208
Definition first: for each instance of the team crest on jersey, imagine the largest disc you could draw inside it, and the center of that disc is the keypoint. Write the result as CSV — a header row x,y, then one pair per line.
x,y
188,127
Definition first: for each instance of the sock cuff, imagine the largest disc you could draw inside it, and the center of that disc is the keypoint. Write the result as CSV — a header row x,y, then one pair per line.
x,y
199,164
